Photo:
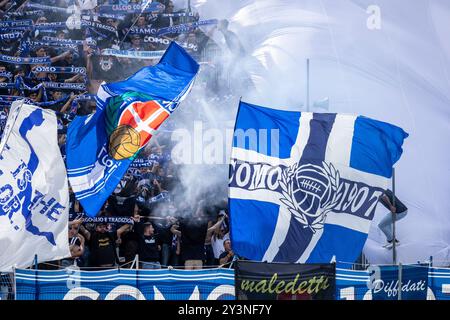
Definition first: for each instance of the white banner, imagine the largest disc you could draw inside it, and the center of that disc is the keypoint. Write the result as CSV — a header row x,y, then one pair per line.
x,y
34,197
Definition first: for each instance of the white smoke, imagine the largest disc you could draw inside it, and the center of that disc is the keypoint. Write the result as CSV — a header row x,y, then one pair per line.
x,y
396,72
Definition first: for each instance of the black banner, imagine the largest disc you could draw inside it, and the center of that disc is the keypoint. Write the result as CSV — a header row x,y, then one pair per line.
x,y
284,281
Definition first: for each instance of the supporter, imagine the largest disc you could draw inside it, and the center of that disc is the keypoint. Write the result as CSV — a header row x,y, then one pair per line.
x,y
103,245
149,246
141,22
4,79
193,231
228,255
76,244
395,206
217,241
136,43
164,21
169,255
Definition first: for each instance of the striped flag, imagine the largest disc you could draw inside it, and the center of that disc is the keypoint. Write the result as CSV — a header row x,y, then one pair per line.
x,y
304,186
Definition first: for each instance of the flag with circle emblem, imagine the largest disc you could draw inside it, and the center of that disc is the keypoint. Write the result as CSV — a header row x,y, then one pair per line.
x,y
101,146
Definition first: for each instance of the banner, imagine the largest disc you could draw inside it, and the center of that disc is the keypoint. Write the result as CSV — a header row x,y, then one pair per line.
x,y
287,281
125,284
132,54
359,284
34,195
100,147
384,282
124,220
29,60
304,187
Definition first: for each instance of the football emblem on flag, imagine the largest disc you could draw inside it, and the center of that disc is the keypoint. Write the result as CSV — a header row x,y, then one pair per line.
x,y
310,188
130,123
310,192
124,142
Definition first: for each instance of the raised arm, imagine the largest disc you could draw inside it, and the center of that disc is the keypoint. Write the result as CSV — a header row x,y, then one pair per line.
x,y
216,225
60,57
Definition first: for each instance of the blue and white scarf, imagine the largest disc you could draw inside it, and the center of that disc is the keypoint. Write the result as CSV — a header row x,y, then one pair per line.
x,y
49,8
185,45
64,85
24,13
176,15
12,24
142,163
178,29
104,15
28,60
85,97
98,26
50,26
133,54
7,85
53,69
68,41
154,7
6,74
35,44
10,36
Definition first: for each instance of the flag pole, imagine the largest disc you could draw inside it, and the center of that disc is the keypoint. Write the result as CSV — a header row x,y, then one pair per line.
x,y
394,216
307,85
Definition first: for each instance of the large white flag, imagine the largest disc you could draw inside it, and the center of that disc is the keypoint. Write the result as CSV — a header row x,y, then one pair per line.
x,y
34,197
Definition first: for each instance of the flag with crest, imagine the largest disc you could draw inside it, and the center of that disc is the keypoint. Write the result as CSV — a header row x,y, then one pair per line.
x,y
100,147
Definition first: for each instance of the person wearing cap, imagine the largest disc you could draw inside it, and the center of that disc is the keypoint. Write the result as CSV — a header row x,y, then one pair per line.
x,y
136,43
102,244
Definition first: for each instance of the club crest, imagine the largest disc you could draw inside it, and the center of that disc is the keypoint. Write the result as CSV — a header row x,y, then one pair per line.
x,y
310,192
106,64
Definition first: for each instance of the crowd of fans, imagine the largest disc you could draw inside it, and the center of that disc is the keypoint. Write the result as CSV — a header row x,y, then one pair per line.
x,y
166,230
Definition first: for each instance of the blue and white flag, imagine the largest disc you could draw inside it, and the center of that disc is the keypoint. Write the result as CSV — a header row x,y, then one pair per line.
x,y
100,147
34,196
304,186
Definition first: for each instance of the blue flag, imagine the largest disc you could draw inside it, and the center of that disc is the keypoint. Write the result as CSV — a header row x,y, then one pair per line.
x,y
304,186
101,146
